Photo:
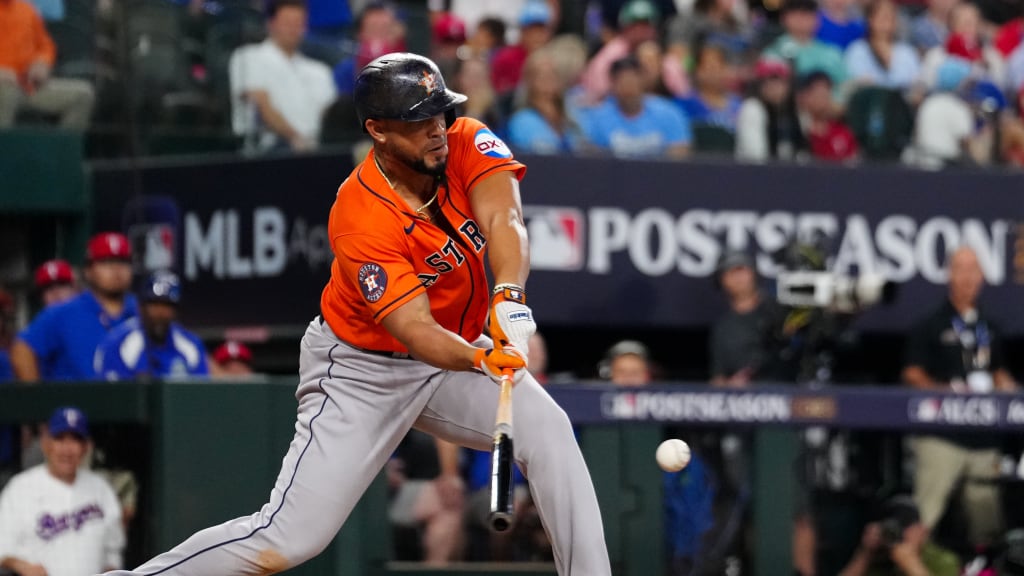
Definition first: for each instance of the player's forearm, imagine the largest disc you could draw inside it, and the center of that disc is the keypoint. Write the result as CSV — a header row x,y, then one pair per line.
x,y
23,362
431,343
509,249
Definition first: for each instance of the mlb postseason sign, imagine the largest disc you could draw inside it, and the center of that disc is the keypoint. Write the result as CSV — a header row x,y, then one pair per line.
x,y
636,243
613,243
247,237
861,407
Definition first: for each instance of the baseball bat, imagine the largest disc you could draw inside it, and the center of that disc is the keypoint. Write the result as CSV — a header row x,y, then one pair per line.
x,y
501,458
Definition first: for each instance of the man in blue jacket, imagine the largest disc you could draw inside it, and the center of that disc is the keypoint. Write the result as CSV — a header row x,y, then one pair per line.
x,y
153,345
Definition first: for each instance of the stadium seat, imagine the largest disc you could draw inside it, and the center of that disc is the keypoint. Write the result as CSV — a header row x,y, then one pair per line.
x,y
711,139
882,122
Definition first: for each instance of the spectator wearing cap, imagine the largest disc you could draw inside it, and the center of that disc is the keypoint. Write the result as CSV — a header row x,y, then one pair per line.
x,y
378,32
766,125
535,30
880,58
448,35
278,95
233,359
898,544
153,346
61,341
740,350
628,364
632,124
638,23
801,48
55,281
58,518
828,138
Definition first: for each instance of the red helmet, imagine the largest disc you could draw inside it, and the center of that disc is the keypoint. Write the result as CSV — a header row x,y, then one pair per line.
x,y
232,350
108,246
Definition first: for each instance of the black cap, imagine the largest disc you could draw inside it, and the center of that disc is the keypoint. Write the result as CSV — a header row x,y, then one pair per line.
x,y
799,6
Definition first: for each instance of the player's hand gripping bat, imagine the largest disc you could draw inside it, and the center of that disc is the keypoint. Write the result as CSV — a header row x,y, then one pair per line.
x,y
501,457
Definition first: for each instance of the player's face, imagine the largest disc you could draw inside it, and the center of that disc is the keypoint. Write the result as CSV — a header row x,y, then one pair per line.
x,y
64,454
157,318
422,145
58,293
630,370
110,278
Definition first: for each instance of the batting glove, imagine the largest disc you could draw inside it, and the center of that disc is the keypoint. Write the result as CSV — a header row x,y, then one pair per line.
x,y
493,360
510,319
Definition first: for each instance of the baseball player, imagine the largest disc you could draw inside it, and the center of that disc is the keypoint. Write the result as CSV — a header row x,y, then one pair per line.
x,y
399,343
55,281
58,519
60,343
153,345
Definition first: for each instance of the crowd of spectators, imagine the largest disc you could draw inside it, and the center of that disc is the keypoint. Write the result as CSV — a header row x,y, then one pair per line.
x,y
925,83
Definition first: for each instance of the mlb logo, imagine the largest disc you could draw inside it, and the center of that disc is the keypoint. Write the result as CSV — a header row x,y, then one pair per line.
x,y
154,246
925,409
556,237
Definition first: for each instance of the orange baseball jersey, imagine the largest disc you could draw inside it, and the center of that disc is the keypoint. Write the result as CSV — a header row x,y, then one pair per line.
x,y
385,254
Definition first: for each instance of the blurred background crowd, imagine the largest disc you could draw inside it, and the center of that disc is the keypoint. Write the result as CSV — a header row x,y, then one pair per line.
x,y
926,83
931,84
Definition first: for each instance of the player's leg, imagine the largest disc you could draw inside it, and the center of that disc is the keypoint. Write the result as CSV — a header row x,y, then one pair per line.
x,y
462,410
347,427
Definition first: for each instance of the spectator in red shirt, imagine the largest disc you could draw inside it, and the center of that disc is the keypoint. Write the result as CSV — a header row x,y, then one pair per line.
x,y
828,138
534,32
27,54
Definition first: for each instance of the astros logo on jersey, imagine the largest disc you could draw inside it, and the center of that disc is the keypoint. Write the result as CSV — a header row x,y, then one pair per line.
x,y
373,281
428,82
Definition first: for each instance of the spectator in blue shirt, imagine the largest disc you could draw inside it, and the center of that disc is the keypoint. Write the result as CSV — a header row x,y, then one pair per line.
x,y
633,124
543,125
880,59
153,345
60,343
713,102
838,23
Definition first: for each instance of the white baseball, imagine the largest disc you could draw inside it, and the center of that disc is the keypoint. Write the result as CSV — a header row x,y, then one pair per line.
x,y
673,455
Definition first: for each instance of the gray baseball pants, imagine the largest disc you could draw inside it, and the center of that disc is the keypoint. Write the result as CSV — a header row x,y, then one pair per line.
x,y
354,409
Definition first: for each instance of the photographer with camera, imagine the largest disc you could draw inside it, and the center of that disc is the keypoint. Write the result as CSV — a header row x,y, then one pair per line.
x,y
957,348
898,544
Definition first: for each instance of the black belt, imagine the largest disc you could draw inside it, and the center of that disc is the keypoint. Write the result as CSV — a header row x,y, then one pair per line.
x,y
384,353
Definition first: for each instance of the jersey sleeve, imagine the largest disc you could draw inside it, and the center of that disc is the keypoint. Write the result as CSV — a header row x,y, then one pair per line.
x,y
113,531
475,152
43,334
380,268
9,536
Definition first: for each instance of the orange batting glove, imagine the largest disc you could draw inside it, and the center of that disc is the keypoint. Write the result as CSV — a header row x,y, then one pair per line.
x,y
510,319
493,360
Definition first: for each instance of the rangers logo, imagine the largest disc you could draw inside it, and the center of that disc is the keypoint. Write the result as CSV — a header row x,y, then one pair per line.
x,y
429,82
490,145
373,281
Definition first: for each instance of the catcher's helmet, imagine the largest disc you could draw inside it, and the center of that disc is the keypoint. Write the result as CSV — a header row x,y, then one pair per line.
x,y
403,86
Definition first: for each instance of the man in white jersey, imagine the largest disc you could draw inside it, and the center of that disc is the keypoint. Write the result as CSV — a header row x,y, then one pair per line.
x,y
57,519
